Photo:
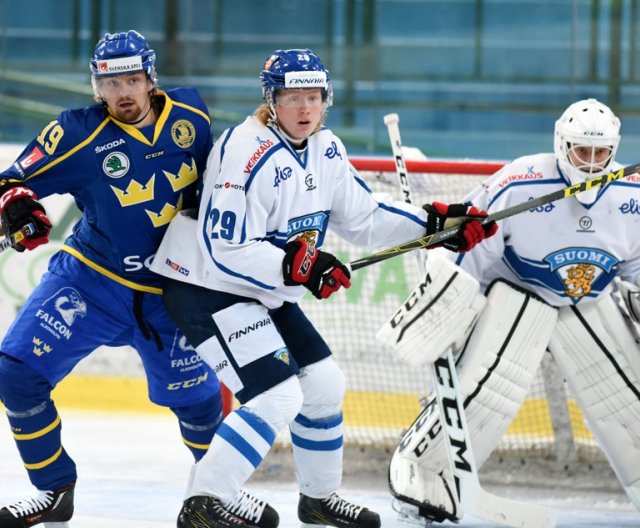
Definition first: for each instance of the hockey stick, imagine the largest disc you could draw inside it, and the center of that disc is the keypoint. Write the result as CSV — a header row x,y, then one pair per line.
x,y
471,497
432,240
392,120
16,237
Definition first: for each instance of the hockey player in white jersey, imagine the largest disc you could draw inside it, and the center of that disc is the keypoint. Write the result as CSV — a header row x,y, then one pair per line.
x,y
548,278
273,186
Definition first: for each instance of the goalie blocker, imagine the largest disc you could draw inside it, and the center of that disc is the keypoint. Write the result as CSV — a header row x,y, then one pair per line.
x,y
439,313
496,368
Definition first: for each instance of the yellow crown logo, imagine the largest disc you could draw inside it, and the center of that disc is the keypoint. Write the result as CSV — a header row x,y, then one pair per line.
x,y
185,177
135,192
166,215
39,351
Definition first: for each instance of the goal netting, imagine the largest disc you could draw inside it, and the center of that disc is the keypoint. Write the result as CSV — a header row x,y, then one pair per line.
x,y
384,396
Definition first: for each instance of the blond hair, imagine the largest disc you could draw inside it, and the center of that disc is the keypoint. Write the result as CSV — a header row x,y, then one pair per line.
x,y
263,114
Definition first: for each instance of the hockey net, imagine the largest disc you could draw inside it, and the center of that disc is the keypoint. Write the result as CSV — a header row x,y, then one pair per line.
x,y
384,396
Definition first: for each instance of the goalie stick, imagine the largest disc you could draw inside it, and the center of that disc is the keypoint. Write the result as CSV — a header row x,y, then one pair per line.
x,y
14,238
432,240
471,497
392,120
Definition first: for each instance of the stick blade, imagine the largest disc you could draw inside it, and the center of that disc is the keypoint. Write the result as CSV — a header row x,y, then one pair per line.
x,y
512,513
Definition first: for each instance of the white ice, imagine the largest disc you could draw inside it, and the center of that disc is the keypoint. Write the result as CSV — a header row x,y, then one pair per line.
x,y
132,470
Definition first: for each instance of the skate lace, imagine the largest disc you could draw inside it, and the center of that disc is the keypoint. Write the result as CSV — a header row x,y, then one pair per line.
x,y
224,513
41,501
342,507
247,506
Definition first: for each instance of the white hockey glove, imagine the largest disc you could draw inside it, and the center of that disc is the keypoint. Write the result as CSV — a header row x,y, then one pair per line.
x,y
630,293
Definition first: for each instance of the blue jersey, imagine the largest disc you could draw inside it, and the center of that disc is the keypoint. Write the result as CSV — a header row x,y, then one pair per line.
x,y
129,183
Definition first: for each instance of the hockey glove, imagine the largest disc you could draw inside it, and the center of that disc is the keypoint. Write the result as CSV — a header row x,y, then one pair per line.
x,y
19,206
320,272
471,232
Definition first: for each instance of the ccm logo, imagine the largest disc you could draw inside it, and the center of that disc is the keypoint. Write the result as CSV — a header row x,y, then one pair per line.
x,y
188,383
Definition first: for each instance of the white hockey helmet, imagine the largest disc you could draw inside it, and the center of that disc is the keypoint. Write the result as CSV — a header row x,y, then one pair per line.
x,y
587,123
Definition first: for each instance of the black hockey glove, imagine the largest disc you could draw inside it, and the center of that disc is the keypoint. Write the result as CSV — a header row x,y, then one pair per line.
x,y
320,272
19,206
471,232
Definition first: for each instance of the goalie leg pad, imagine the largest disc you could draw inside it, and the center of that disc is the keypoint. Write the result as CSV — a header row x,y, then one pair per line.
x,y
437,314
596,352
497,367
633,492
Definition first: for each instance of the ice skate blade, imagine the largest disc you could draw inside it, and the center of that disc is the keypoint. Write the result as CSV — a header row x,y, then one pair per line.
x,y
305,525
409,514
57,525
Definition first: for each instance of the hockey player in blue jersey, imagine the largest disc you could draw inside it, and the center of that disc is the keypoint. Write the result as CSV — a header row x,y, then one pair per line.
x,y
131,161
274,185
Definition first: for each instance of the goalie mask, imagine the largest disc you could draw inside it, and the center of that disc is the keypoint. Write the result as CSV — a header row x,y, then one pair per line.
x,y
294,69
122,53
585,144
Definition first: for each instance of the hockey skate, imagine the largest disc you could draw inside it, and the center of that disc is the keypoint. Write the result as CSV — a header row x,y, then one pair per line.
x,y
441,506
335,511
253,511
53,508
420,513
422,496
244,511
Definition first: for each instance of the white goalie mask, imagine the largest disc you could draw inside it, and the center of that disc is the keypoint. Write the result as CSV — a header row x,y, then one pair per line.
x,y
585,144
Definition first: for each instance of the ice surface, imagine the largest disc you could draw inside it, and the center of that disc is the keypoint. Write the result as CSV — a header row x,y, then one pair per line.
x,y
132,470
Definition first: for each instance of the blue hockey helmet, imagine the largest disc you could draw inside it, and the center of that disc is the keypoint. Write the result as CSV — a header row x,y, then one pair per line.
x,y
126,52
294,68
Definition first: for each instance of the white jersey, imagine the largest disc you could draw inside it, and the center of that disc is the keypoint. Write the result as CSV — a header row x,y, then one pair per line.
x,y
259,194
565,252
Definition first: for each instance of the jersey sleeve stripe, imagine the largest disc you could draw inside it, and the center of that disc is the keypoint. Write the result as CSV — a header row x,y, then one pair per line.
x,y
232,273
71,152
194,110
226,270
224,143
394,210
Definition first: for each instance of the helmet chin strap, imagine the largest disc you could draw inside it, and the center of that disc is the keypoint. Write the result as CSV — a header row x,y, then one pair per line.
x,y
143,117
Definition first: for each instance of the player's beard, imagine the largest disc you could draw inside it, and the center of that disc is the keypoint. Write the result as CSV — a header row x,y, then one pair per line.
x,y
131,113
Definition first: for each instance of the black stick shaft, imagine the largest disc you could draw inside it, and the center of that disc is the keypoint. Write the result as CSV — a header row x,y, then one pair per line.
x,y
14,238
434,239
